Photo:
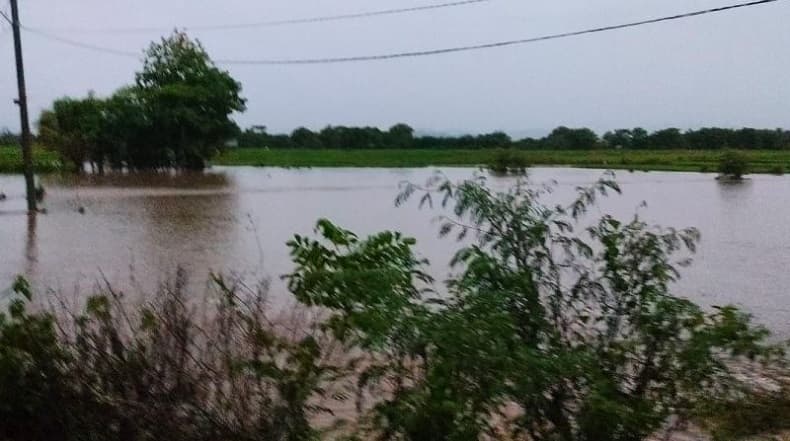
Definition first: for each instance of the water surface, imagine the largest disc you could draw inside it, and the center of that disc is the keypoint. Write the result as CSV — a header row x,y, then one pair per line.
x,y
136,230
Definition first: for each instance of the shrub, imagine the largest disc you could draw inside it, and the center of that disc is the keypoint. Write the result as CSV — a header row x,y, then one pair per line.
x,y
733,164
507,161
33,386
114,372
576,333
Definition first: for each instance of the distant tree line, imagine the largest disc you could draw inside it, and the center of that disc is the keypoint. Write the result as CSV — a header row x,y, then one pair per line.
x,y
8,138
562,138
175,115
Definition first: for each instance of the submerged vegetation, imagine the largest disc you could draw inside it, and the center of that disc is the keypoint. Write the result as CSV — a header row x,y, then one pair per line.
x,y
557,326
734,164
507,162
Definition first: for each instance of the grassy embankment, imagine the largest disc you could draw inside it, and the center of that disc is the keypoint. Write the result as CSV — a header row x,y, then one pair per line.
x,y
11,160
761,161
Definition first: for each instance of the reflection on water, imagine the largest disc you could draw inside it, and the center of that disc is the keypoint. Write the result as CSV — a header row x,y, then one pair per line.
x,y
181,179
31,251
735,191
137,228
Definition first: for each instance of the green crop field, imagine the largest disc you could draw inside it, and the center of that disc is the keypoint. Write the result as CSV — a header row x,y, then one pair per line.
x,y
761,161
11,160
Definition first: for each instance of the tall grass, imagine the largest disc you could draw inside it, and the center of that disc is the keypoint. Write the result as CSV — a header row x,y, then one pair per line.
x,y
172,369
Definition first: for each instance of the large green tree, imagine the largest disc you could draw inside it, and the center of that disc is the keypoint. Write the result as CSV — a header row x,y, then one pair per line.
x,y
571,139
75,129
400,136
188,100
176,115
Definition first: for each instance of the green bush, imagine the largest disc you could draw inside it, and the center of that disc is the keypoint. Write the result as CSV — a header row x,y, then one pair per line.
x,y
113,372
577,333
733,164
507,162
34,393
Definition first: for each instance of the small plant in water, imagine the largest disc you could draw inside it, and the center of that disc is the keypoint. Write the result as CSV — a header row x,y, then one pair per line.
x,y
507,162
733,165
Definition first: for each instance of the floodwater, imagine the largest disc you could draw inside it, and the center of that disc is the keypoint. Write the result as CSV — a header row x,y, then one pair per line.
x,y
136,230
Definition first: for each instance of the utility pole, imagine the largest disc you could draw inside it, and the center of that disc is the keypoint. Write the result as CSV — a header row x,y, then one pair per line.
x,y
27,154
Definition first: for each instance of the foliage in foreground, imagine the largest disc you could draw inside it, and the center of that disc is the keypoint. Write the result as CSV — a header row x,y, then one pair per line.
x,y
549,331
161,372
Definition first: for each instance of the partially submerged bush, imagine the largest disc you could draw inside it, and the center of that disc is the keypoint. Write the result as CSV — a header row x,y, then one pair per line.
x,y
507,161
733,164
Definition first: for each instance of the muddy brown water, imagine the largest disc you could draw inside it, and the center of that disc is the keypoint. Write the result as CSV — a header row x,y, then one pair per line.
x,y
136,230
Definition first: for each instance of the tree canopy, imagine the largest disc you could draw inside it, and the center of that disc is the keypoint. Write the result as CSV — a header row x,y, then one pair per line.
x,y
402,136
176,114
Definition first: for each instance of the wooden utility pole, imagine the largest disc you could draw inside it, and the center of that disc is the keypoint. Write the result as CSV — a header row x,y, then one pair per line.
x,y
27,154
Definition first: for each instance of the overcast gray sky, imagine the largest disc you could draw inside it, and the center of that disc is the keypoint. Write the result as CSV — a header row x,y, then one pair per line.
x,y
730,69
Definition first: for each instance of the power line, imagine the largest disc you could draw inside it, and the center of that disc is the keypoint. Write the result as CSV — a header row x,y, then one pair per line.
x,y
82,45
422,53
7,18
495,44
272,23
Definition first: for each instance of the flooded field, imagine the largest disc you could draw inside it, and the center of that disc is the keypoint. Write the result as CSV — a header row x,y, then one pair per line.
x,y
136,230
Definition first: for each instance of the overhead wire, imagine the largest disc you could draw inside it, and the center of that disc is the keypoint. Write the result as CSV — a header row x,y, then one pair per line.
x,y
272,23
81,44
429,52
7,18
4,29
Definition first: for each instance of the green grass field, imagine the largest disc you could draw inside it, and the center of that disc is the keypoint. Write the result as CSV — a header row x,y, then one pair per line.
x,y
11,160
762,161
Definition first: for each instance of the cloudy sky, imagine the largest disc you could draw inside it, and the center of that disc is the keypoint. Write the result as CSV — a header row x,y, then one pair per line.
x,y
730,69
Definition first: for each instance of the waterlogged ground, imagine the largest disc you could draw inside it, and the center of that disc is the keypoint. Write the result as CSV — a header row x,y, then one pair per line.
x,y
136,230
